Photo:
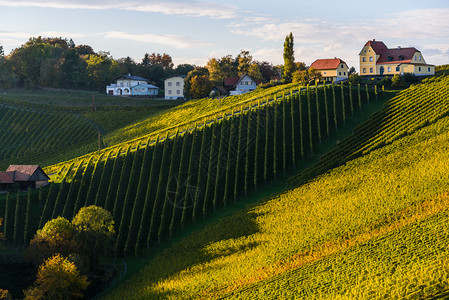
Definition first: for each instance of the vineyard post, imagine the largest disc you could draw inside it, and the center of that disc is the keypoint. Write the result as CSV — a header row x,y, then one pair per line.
x,y
350,99
360,97
309,110
284,136
375,91
335,107
326,109
267,117
367,93
343,108
218,174
275,113
247,157
209,173
228,177
189,177
301,132
292,115
317,103
257,146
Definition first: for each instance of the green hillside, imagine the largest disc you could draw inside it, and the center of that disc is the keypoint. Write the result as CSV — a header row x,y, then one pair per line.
x,y
372,228
49,126
30,134
154,188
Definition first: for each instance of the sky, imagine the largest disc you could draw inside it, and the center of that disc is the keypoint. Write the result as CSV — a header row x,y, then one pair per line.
x,y
194,31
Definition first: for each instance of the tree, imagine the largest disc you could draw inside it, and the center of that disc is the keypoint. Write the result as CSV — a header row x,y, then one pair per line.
x,y
196,72
254,72
268,71
58,278
95,230
314,75
352,70
183,69
57,236
200,86
164,60
289,58
244,60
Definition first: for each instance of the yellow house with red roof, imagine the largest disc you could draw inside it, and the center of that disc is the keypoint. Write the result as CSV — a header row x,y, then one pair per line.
x,y
332,70
378,60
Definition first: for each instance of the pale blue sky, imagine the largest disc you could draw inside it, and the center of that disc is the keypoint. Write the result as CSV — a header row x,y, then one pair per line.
x,y
194,31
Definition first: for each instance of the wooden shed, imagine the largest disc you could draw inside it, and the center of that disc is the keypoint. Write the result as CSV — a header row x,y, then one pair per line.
x,y
25,176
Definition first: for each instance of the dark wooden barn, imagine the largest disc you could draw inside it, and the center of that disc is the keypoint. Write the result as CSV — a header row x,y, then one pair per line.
x,y
22,177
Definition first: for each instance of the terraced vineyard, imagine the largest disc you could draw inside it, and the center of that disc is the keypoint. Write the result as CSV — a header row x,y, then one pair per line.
x,y
154,188
414,108
373,228
28,134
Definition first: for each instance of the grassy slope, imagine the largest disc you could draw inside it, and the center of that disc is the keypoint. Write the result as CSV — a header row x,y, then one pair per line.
x,y
386,190
112,113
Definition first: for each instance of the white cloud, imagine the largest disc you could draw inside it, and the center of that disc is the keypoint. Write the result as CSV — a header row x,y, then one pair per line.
x,y
191,8
169,40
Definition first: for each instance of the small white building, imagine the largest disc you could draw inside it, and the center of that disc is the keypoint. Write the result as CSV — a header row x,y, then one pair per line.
x,y
174,87
126,84
243,85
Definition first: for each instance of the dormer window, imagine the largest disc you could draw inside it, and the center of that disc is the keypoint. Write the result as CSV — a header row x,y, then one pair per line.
x,y
401,57
390,58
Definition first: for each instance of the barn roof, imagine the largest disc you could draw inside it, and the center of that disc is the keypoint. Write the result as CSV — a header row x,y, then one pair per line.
x,y
327,64
25,172
7,177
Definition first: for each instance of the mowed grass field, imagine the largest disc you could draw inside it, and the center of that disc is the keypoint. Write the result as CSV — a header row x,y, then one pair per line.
x,y
373,228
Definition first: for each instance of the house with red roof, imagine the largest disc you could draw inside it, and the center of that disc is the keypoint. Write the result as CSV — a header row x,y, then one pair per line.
x,y
23,176
376,59
332,70
240,85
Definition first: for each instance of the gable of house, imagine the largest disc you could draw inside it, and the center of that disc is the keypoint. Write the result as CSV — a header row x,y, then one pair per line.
x,y
28,173
377,59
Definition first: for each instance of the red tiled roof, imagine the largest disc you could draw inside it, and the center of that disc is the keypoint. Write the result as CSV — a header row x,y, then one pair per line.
x,y
327,64
378,46
231,81
391,56
7,177
23,172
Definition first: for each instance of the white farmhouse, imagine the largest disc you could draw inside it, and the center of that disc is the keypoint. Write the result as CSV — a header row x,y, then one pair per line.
x,y
174,87
124,86
244,84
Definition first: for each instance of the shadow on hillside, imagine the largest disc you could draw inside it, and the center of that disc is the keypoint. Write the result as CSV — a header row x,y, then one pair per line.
x,y
223,238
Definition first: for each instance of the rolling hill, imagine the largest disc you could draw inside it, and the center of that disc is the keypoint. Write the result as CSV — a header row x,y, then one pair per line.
x,y
374,227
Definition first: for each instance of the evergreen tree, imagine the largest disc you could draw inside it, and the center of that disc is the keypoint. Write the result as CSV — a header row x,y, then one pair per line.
x,y
289,59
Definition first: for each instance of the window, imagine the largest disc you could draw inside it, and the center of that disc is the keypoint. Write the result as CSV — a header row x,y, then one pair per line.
x,y
169,83
428,69
178,83
342,66
420,57
389,69
344,73
178,92
169,92
364,59
390,58
371,70
398,69
364,70
339,73
419,69
370,58
324,73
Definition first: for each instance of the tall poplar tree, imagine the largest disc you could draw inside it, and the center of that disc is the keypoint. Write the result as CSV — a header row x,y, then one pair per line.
x,y
289,58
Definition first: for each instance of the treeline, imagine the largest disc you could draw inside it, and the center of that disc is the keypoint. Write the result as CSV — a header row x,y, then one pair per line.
x,y
181,179
59,63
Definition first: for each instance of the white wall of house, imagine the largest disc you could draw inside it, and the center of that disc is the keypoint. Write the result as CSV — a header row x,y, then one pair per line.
x,y
245,85
174,87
